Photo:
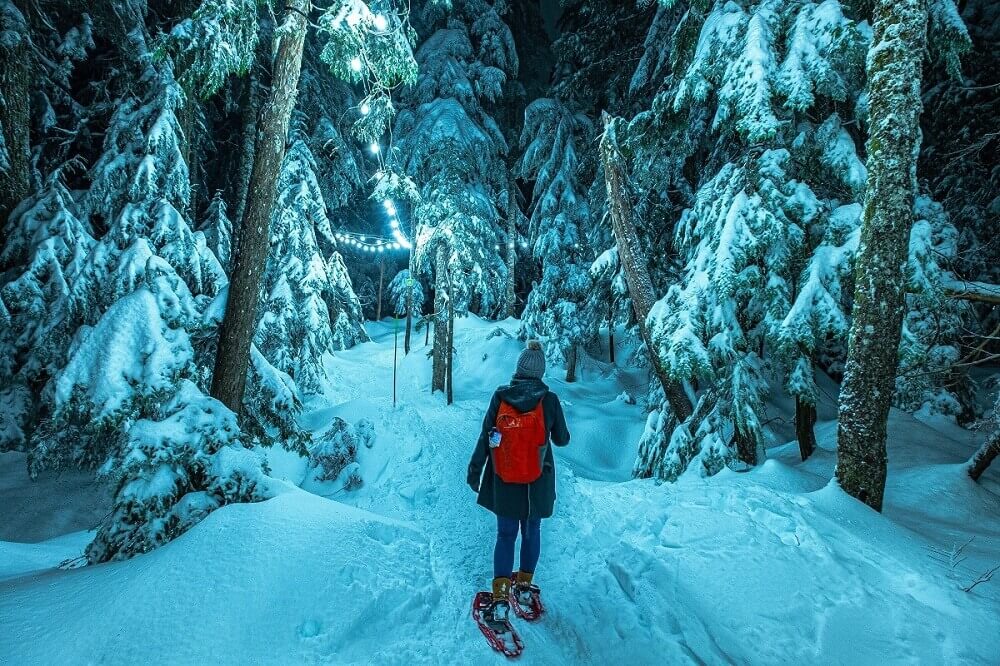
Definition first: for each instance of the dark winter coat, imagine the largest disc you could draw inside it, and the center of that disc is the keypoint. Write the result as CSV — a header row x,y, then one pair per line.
x,y
519,500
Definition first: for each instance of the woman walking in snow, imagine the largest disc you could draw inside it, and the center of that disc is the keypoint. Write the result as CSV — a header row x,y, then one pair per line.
x,y
519,484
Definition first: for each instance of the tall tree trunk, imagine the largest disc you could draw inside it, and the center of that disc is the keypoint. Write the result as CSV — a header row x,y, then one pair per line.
x,y
894,65
571,356
510,309
633,262
611,331
986,454
805,420
15,92
236,332
451,344
409,302
251,111
441,296
381,279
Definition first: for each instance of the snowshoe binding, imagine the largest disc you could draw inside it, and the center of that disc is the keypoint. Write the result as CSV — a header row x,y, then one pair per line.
x,y
526,601
493,618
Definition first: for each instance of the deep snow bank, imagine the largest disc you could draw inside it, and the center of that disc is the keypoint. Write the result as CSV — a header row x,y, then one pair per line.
x,y
297,578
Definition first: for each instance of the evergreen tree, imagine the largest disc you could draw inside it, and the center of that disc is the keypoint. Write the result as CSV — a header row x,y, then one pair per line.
x,y
556,308
361,46
15,91
218,230
767,237
295,330
451,146
406,292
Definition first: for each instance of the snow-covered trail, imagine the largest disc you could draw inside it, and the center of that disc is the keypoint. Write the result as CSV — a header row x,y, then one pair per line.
x,y
774,566
423,483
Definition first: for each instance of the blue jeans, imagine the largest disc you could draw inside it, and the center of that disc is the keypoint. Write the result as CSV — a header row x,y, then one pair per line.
x,y
531,545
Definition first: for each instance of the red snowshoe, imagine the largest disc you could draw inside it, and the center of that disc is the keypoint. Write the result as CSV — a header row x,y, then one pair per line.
x,y
526,601
494,621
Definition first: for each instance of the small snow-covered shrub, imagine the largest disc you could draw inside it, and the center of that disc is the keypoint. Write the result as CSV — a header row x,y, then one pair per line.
x,y
334,454
173,471
271,406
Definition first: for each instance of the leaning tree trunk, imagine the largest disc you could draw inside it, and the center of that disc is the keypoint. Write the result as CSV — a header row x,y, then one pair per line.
x,y
236,332
510,308
986,454
894,63
633,262
439,364
805,421
15,89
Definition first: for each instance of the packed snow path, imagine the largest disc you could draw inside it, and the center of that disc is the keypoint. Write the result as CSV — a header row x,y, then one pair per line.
x,y
771,567
418,475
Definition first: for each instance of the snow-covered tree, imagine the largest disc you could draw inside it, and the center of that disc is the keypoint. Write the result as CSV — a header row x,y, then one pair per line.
x,y
119,370
176,467
218,40
451,146
556,309
46,250
747,136
218,230
306,293
406,291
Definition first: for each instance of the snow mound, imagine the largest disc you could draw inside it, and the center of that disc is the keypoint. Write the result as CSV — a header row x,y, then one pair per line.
x,y
295,579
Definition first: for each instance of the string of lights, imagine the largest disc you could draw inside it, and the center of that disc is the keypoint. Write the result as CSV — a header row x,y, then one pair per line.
x,y
368,242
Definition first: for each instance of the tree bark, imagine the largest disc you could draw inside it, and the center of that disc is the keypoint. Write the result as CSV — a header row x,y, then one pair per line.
x,y
510,309
894,68
571,356
611,331
805,420
251,112
236,332
15,113
381,279
986,454
451,345
633,262
409,312
441,297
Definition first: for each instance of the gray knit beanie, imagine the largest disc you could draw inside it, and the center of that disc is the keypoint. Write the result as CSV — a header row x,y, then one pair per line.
x,y
531,362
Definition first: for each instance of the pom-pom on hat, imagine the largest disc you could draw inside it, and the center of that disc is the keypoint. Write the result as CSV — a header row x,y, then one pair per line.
x,y
531,362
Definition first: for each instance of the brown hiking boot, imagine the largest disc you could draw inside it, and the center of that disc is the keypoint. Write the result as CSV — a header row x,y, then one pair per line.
x,y
501,588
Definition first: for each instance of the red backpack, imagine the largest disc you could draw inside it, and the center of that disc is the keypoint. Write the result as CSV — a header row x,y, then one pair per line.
x,y
519,457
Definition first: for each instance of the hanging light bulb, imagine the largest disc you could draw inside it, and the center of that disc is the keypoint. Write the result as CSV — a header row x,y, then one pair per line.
x,y
394,224
356,64
365,108
375,148
380,22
